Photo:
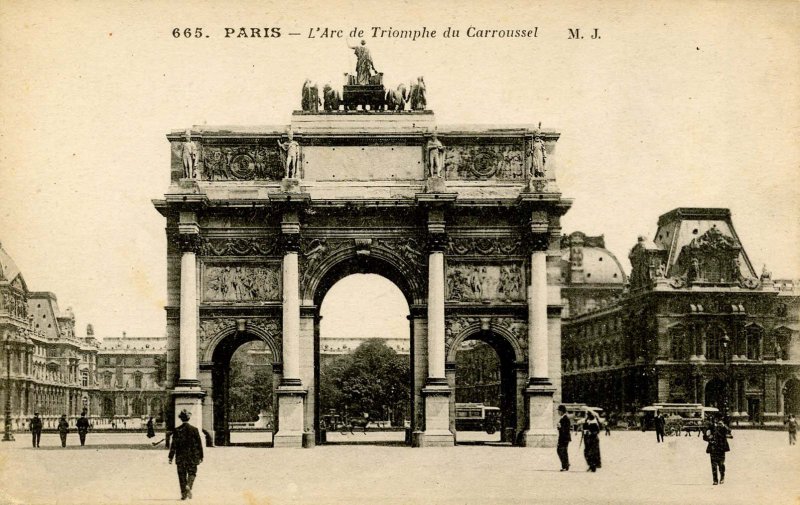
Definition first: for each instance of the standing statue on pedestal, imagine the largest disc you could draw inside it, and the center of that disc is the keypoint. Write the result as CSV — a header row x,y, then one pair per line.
x,y
331,98
292,149
537,156
435,150
364,66
418,101
190,155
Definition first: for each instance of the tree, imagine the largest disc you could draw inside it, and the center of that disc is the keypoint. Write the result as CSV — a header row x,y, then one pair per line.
x,y
373,379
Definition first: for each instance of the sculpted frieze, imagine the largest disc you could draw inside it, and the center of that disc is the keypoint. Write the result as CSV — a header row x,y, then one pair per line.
x,y
409,249
241,283
455,326
239,246
470,282
242,163
483,162
464,246
210,328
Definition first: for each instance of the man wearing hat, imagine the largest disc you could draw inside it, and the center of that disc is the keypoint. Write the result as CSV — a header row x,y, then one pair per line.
x,y
83,427
187,449
36,429
63,429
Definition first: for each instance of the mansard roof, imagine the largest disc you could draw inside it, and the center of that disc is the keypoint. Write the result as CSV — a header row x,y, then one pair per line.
x,y
9,271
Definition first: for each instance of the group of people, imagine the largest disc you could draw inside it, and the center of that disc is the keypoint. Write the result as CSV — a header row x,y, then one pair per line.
x,y
590,438
716,435
82,425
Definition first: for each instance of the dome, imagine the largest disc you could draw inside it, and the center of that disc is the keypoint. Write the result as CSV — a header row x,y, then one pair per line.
x,y
585,260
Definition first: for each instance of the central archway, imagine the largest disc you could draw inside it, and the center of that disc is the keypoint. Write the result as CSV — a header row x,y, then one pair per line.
x,y
363,346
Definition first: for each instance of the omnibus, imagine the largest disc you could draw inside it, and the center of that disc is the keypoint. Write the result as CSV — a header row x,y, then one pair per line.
x,y
477,417
679,417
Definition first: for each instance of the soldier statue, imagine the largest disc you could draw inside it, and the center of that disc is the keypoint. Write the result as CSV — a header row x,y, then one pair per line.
x,y
292,148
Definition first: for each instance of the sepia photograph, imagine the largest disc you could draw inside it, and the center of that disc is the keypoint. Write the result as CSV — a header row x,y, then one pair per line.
x,y
409,253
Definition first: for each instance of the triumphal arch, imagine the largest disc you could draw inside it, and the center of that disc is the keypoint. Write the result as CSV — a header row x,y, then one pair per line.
x,y
261,222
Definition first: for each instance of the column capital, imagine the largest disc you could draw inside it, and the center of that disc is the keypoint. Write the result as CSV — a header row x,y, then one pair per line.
x,y
189,242
437,242
290,242
537,241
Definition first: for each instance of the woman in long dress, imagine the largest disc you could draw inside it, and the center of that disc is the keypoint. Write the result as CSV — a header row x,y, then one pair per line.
x,y
591,442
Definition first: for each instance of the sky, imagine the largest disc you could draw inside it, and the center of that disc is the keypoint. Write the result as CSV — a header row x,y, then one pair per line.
x,y
676,104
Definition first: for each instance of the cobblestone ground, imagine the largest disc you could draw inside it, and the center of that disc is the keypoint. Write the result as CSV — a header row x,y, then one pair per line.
x,y
125,468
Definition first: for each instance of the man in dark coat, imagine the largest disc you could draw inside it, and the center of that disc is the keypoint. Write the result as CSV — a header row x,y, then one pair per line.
x,y
564,438
187,449
83,427
36,429
63,429
717,438
661,424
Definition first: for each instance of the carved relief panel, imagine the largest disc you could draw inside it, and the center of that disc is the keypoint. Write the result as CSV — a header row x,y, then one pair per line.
x,y
482,162
241,283
241,163
485,283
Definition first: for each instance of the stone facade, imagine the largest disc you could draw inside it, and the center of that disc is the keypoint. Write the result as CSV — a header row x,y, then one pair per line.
x,y
129,372
695,316
53,371
474,250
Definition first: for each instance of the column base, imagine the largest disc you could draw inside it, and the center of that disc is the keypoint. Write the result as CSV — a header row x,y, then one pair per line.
x,y
541,430
290,417
191,399
437,417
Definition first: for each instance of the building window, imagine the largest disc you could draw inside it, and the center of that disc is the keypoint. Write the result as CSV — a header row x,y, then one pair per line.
x,y
137,381
679,346
754,342
137,361
714,348
85,378
107,380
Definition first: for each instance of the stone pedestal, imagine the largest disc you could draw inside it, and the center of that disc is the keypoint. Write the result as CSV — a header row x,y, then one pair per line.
x,y
437,418
191,399
290,417
290,185
540,432
435,185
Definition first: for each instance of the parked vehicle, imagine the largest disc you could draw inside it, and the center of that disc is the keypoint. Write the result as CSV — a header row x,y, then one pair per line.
x,y
680,417
477,417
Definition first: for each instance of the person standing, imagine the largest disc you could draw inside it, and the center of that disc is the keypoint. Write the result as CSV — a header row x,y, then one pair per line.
x,y
36,429
591,442
151,432
717,438
83,427
564,437
791,424
660,423
187,450
63,429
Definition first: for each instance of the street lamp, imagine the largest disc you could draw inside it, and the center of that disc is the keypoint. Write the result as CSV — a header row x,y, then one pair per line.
x,y
726,340
7,435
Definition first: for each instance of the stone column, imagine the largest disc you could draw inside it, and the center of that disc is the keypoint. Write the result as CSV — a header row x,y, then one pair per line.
x,y
291,395
540,430
187,393
436,391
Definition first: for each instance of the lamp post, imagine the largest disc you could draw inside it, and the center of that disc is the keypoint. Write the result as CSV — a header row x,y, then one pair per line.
x,y
7,435
726,340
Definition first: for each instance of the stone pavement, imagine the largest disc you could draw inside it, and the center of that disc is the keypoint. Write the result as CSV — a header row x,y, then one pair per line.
x,y
125,468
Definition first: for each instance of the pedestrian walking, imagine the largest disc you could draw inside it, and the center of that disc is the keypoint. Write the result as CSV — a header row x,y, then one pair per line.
x,y
661,424
151,432
564,438
591,442
791,424
83,427
63,429
36,429
717,438
187,450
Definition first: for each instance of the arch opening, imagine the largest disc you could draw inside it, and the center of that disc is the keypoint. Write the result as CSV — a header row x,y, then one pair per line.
x,y
243,390
485,404
363,356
